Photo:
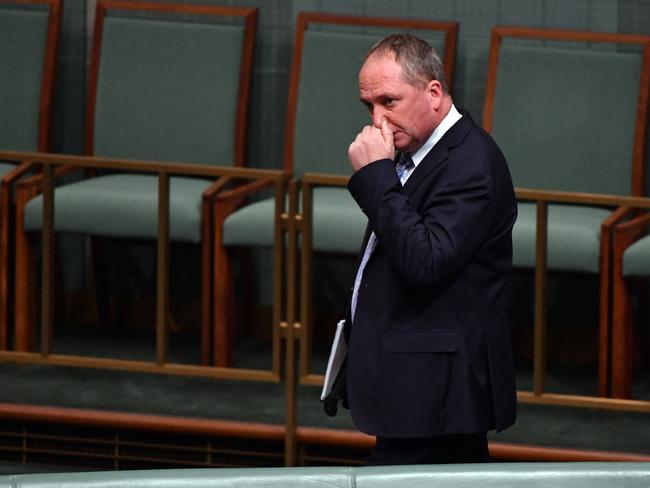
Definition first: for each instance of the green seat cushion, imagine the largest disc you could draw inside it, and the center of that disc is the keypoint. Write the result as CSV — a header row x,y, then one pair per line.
x,y
123,206
338,224
573,237
22,52
5,168
636,259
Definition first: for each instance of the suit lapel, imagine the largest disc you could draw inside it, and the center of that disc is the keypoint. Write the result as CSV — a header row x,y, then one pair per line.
x,y
440,152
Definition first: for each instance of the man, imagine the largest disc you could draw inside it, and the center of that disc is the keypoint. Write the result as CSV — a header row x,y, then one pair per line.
x,y
429,367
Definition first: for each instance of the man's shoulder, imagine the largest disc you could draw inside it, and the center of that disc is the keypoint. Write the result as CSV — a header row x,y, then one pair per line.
x,y
472,153
465,128
466,135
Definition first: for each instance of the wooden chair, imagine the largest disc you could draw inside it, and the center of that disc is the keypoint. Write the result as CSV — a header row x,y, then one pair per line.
x,y
167,82
568,110
28,52
323,116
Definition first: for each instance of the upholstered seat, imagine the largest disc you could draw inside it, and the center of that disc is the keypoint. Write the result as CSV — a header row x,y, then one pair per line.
x,y
327,117
324,116
544,108
552,145
104,206
178,99
28,52
547,120
573,237
636,259
168,82
338,228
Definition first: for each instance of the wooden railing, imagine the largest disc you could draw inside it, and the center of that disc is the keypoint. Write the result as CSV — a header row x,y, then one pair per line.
x,y
163,170
292,282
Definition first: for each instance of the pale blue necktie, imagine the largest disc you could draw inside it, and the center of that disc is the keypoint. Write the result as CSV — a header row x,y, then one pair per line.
x,y
404,163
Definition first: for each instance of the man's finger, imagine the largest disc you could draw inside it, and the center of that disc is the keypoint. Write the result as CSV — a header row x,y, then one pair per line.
x,y
386,133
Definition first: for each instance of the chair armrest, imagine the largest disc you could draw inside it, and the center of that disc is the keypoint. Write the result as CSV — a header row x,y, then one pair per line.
x,y
232,197
617,216
227,202
235,195
629,232
324,179
17,172
35,183
608,225
215,188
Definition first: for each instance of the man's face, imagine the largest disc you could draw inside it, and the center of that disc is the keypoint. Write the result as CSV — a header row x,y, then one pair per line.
x,y
409,109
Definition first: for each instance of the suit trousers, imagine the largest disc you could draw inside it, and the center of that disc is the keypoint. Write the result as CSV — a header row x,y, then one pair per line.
x,y
445,449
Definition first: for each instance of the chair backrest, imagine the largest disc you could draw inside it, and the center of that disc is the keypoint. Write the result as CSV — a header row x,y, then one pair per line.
x,y
569,109
324,112
29,31
169,82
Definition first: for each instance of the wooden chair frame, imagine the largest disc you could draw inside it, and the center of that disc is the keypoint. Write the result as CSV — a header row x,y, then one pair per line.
x,y
622,353
7,182
29,189
498,34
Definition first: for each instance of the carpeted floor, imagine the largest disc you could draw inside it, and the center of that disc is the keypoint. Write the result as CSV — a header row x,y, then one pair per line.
x,y
263,402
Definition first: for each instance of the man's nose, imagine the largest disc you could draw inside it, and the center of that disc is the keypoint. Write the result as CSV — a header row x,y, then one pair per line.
x,y
377,115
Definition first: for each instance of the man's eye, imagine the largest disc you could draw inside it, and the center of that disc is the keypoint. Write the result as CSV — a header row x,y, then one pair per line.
x,y
389,102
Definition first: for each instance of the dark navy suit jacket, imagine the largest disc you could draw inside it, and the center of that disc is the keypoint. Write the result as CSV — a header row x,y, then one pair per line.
x,y
429,350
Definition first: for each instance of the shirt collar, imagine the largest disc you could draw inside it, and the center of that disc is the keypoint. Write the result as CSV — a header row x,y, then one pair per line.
x,y
450,119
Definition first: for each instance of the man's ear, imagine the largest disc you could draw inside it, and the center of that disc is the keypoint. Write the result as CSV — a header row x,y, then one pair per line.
x,y
435,91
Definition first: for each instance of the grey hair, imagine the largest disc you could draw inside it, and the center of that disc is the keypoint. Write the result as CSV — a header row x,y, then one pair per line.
x,y
419,61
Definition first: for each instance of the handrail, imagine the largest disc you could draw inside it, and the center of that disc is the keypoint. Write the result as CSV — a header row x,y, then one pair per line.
x,y
176,168
554,196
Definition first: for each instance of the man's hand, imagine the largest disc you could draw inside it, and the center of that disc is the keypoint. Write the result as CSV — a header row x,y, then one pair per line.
x,y
371,144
